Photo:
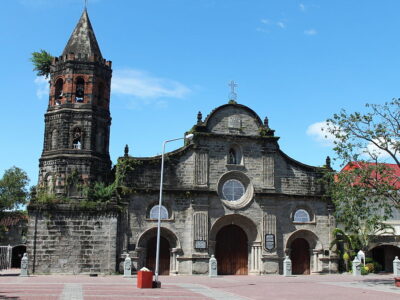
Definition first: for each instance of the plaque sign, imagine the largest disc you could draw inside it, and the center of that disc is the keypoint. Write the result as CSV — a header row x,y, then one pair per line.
x,y
199,244
234,122
269,241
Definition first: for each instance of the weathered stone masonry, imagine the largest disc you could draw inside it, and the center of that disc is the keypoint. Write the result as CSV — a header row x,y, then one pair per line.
x,y
73,242
230,192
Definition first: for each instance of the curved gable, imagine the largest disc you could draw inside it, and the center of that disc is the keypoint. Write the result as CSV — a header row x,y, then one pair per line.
x,y
233,119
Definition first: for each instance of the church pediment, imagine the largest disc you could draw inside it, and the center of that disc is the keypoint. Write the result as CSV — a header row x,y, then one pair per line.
x,y
234,119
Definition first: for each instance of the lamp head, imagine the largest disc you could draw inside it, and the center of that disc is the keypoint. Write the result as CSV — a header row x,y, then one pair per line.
x,y
189,136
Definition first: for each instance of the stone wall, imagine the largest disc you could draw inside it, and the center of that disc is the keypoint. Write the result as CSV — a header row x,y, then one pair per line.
x,y
72,242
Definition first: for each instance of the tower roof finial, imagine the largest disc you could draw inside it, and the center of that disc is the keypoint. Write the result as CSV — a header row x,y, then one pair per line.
x,y
83,40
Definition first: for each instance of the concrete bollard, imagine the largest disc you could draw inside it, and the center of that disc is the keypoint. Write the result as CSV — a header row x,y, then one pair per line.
x,y
356,267
213,267
396,266
287,267
24,266
127,266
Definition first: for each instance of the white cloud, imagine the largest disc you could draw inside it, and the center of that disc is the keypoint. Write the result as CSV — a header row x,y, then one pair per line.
x,y
42,86
310,32
320,134
302,7
375,151
281,25
142,85
269,24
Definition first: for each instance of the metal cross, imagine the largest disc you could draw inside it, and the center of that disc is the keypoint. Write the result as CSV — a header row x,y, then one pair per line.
x,y
86,2
232,84
232,94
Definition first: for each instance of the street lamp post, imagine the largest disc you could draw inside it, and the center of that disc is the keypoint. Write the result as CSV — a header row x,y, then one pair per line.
x,y
187,137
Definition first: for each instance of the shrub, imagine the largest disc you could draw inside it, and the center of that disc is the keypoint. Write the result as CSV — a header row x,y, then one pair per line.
x,y
364,270
371,267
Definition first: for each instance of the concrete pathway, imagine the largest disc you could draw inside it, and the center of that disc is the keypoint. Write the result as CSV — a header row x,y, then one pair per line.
x,y
328,287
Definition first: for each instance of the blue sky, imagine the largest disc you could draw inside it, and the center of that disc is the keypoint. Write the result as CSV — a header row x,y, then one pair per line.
x,y
297,62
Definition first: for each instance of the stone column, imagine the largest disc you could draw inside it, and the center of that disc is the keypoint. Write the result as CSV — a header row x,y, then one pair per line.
x,y
255,254
314,257
174,268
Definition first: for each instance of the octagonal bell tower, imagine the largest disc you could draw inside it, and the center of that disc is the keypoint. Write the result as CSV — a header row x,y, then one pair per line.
x,y
77,121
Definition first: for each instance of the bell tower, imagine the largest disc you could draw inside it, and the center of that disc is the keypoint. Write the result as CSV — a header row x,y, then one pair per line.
x,y
77,121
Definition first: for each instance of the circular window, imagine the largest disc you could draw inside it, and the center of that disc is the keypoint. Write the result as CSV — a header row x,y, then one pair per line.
x,y
233,190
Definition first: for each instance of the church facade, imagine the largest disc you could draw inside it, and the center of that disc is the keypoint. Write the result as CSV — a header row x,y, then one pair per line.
x,y
229,192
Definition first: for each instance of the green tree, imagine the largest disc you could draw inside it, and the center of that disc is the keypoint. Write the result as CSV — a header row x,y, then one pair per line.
x,y
367,136
360,208
365,192
13,189
42,61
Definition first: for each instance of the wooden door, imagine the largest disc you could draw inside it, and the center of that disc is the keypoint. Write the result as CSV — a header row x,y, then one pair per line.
x,y
231,251
164,255
300,256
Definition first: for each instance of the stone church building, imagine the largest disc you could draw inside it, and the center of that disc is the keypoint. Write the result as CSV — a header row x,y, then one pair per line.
x,y
230,191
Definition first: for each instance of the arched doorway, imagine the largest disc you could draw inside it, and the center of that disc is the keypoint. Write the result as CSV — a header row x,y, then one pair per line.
x,y
385,255
231,251
300,256
164,255
17,254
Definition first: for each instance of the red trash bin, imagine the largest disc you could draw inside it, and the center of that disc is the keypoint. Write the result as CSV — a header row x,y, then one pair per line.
x,y
397,281
145,279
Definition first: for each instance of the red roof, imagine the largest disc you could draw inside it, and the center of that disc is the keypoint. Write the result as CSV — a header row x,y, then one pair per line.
x,y
393,176
12,218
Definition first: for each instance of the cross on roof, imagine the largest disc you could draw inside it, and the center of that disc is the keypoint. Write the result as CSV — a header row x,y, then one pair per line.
x,y
232,84
232,94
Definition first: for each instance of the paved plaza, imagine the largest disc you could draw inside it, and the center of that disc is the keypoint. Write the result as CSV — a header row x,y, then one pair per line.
x,y
199,287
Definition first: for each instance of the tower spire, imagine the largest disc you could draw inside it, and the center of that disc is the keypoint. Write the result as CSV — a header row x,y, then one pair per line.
x,y
83,40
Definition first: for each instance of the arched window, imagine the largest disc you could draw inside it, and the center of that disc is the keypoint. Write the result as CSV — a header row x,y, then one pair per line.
x,y
80,89
235,155
154,212
58,90
54,136
77,138
301,216
100,94
232,157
